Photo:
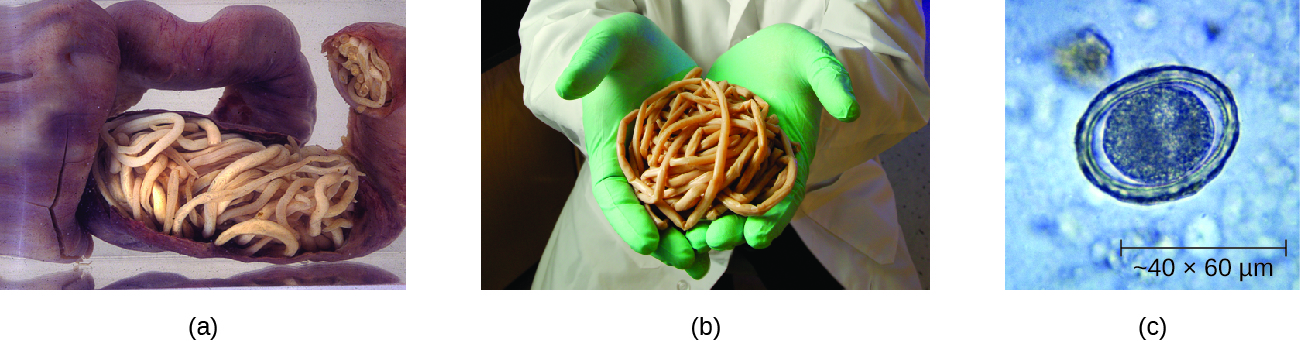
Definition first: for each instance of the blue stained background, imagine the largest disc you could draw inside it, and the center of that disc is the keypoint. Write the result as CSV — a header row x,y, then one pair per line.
x,y
1064,233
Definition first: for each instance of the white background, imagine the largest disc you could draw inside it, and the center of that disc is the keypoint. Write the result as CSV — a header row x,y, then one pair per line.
x,y
967,300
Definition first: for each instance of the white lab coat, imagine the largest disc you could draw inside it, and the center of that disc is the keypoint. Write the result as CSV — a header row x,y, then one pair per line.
x,y
848,219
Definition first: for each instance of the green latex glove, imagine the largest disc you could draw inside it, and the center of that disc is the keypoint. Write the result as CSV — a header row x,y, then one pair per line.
x,y
622,61
797,74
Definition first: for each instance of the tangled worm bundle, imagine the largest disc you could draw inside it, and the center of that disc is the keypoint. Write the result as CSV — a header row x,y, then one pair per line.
x,y
357,63
698,148
183,177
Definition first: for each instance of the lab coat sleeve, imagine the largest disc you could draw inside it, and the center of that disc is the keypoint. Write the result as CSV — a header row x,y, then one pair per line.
x,y
549,34
882,46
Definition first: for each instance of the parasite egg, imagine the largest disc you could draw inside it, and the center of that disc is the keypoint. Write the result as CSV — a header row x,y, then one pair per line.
x,y
1157,135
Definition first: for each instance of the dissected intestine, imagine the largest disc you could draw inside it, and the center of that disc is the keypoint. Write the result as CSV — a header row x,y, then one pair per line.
x,y
57,82
376,144
71,65
368,67
252,51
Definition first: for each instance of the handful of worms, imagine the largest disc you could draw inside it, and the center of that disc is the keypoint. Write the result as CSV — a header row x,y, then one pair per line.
x,y
697,149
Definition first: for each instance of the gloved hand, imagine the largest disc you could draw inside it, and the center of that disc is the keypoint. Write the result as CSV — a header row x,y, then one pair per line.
x,y
797,74
622,61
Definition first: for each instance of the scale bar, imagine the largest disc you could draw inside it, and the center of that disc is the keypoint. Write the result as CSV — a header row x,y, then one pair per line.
x,y
1285,244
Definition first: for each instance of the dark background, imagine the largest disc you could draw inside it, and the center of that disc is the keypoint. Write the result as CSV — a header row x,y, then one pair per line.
x,y
501,31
